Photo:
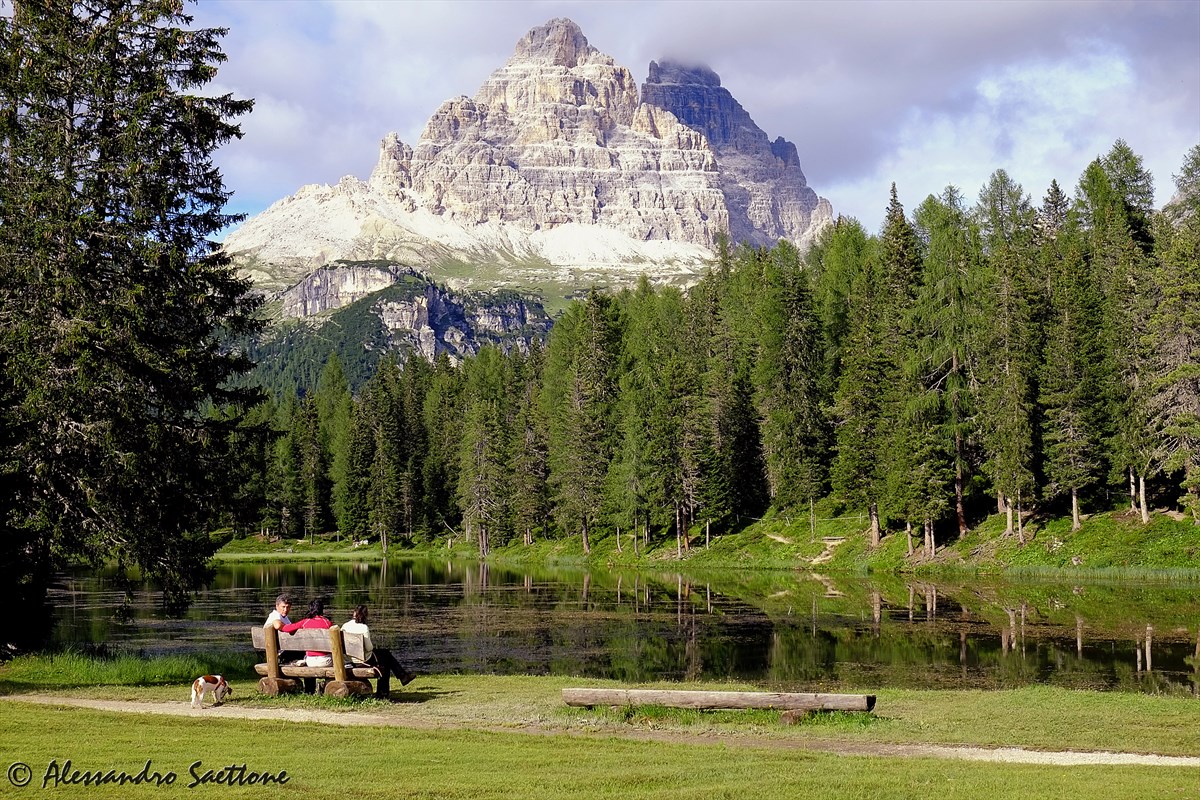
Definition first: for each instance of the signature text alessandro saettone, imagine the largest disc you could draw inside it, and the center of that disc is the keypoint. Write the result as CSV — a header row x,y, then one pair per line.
x,y
66,774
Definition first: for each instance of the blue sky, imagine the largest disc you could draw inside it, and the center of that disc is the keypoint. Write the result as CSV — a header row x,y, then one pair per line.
x,y
921,93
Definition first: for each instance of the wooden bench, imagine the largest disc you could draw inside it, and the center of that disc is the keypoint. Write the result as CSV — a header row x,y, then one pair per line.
x,y
344,678
794,705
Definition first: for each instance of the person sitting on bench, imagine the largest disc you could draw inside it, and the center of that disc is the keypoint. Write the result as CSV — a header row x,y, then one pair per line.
x,y
315,618
381,659
277,619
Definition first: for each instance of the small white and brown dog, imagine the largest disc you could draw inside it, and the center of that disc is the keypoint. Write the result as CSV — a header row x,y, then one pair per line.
x,y
213,685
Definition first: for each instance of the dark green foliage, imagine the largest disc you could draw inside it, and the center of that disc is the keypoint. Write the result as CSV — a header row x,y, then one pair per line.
x,y
787,380
1007,357
908,373
112,298
1069,388
1173,400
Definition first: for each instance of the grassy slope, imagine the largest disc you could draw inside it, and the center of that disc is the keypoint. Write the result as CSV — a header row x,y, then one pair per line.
x,y
1114,544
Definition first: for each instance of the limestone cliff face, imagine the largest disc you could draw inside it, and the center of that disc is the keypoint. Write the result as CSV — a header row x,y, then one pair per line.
x,y
555,170
404,311
766,194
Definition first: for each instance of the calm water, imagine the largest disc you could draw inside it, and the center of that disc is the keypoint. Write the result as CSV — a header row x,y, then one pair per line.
x,y
788,630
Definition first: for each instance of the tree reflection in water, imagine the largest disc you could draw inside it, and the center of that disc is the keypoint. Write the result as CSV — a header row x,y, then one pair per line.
x,y
768,627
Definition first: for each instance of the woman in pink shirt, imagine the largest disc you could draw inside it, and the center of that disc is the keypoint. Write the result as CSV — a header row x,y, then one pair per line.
x,y
315,618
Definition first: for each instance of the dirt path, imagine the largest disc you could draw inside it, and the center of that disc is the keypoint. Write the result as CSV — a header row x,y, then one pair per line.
x,y
1011,755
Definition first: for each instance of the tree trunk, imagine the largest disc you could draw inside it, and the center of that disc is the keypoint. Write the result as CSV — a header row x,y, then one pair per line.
x,y
587,547
960,511
618,538
874,509
678,535
930,545
1000,507
707,525
1020,521
1008,510
1075,523
1142,497
1133,506
908,536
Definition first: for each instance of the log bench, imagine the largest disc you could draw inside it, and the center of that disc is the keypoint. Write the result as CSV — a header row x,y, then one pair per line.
x,y
794,705
344,678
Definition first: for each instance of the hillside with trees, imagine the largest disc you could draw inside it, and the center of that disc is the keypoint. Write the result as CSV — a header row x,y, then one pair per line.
x,y
1021,357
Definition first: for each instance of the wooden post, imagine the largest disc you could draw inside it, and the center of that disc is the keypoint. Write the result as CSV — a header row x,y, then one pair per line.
x,y
339,652
272,639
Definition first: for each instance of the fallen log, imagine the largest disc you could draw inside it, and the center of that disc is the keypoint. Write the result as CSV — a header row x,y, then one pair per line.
x,y
673,698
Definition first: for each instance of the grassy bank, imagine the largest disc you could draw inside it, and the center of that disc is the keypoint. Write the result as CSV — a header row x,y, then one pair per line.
x,y
455,736
335,762
1108,544
1041,717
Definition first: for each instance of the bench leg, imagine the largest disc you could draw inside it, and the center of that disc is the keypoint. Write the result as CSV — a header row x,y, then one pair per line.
x,y
277,686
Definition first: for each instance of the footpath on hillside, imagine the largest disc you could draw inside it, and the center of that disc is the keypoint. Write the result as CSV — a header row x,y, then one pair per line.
x,y
1010,755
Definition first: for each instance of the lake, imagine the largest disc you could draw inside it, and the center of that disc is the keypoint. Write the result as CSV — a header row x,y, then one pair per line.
x,y
778,629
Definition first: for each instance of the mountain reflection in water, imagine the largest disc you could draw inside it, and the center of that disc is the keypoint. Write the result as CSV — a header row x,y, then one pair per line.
x,y
775,629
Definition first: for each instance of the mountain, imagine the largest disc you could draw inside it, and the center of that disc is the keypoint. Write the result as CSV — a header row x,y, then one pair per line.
x,y
559,173
363,311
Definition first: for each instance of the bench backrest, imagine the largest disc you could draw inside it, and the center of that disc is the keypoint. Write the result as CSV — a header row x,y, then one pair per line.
x,y
311,639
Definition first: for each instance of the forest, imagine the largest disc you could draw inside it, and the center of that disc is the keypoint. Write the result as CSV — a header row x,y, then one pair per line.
x,y
1007,357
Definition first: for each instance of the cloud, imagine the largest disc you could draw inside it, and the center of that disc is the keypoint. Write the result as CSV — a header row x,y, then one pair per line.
x,y
922,93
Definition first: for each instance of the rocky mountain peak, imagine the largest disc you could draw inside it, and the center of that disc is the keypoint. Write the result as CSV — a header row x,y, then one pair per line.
x,y
557,173
671,72
559,42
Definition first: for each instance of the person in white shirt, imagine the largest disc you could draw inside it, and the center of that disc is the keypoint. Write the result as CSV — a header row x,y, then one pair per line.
x,y
277,619
378,657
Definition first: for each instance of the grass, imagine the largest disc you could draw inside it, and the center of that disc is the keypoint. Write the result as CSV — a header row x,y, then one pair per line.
x,y
336,762
1039,717
1114,545
468,736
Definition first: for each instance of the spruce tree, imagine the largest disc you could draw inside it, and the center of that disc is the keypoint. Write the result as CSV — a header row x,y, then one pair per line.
x,y
581,414
788,392
333,412
1007,362
1069,386
482,491
858,404
1109,207
1174,396
113,300
945,318
528,457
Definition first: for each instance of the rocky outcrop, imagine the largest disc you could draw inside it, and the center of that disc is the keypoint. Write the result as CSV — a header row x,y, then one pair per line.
x,y
554,167
404,311
766,194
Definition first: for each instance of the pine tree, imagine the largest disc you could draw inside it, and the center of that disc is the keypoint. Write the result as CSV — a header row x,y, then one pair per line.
x,y
833,266
945,318
795,434
899,429
1110,208
333,413
858,404
528,456
112,297
581,415
1069,390
1007,358
1173,401
483,449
